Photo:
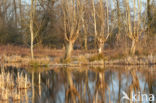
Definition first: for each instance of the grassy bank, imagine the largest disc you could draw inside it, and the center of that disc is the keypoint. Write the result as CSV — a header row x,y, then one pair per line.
x,y
12,55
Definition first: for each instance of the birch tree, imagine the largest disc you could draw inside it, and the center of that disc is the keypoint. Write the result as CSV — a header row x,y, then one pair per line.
x,y
72,19
101,14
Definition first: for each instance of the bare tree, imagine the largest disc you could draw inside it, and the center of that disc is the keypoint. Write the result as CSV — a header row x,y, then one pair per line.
x,y
135,30
35,25
149,17
118,16
94,20
14,2
20,11
102,15
85,23
72,13
32,14
85,33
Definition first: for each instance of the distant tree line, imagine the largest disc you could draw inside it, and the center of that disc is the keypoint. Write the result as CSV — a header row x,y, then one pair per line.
x,y
83,24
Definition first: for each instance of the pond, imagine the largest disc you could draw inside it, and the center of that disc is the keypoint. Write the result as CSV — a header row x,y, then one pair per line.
x,y
78,85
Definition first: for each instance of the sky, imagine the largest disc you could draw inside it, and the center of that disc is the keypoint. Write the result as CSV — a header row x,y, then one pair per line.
x,y
28,1
131,2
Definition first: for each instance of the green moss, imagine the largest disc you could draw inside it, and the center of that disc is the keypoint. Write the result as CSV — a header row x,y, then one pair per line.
x,y
34,64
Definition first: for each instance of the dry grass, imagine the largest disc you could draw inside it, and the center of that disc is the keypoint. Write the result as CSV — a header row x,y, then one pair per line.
x,y
10,87
24,51
18,54
10,50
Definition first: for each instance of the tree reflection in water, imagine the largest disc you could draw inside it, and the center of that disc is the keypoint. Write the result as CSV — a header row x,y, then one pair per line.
x,y
88,85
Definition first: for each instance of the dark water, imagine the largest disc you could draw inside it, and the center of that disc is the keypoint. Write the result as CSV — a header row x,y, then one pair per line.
x,y
88,85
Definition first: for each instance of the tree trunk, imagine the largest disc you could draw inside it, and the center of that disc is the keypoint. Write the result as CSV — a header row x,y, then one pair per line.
x,y
68,50
14,2
100,48
149,17
118,18
31,29
85,42
133,47
32,39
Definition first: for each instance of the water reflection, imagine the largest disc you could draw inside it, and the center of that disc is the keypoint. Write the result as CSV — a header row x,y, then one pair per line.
x,y
93,85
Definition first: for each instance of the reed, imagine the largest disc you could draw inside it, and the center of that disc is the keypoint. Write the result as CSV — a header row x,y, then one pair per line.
x,y
10,87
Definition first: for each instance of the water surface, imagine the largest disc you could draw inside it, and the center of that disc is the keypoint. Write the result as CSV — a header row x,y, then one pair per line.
x,y
86,84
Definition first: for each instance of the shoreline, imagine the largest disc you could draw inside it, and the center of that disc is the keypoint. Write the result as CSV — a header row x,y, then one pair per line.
x,y
55,61
45,57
